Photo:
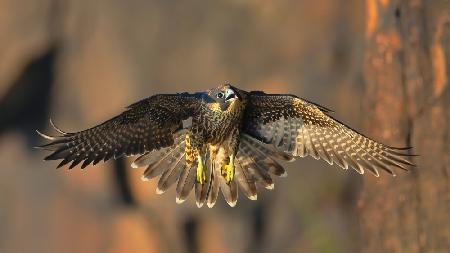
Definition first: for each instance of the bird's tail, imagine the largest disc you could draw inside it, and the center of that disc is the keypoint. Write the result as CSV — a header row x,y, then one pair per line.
x,y
167,162
254,164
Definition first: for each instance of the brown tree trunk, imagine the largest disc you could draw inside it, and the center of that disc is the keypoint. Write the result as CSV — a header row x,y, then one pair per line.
x,y
407,68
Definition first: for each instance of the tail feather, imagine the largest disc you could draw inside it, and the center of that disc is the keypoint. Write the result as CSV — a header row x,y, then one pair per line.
x,y
150,157
264,160
245,181
213,192
170,176
245,158
229,191
185,182
201,190
168,157
155,156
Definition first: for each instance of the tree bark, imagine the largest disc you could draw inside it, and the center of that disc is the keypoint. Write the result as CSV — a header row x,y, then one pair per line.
x,y
406,72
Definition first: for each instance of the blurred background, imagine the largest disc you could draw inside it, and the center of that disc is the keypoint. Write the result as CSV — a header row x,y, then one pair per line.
x,y
82,62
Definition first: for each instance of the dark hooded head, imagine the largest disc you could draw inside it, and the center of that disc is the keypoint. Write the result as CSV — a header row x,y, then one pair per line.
x,y
225,95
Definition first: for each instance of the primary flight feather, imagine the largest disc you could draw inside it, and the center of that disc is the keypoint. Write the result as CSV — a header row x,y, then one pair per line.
x,y
221,140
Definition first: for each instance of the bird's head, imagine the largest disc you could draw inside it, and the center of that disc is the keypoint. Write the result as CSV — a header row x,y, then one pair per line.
x,y
225,97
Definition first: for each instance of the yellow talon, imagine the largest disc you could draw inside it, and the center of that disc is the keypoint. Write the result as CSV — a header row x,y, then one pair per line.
x,y
228,170
201,175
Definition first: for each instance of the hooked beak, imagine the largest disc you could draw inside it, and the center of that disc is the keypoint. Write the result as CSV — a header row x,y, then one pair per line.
x,y
230,95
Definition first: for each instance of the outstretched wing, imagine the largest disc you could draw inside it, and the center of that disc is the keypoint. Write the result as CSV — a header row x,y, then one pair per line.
x,y
147,125
300,128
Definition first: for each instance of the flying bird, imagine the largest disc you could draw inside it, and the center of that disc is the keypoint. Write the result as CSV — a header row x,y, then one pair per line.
x,y
221,140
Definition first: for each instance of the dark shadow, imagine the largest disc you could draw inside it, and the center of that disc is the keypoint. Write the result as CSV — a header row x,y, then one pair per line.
x,y
122,182
190,234
25,105
258,228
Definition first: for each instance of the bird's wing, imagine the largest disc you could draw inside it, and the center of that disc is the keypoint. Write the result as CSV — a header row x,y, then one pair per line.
x,y
147,125
300,128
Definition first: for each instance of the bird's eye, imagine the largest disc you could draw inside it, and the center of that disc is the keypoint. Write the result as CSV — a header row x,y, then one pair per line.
x,y
220,95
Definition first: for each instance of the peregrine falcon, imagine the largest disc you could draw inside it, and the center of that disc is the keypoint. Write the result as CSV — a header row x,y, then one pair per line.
x,y
221,140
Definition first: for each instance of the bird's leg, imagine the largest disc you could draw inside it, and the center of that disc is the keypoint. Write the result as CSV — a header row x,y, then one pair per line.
x,y
201,173
193,150
228,170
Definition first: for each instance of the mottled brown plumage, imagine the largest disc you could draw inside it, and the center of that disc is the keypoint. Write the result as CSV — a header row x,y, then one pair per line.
x,y
222,140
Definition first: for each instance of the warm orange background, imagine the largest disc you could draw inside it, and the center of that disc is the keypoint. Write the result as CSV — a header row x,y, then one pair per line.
x,y
113,53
